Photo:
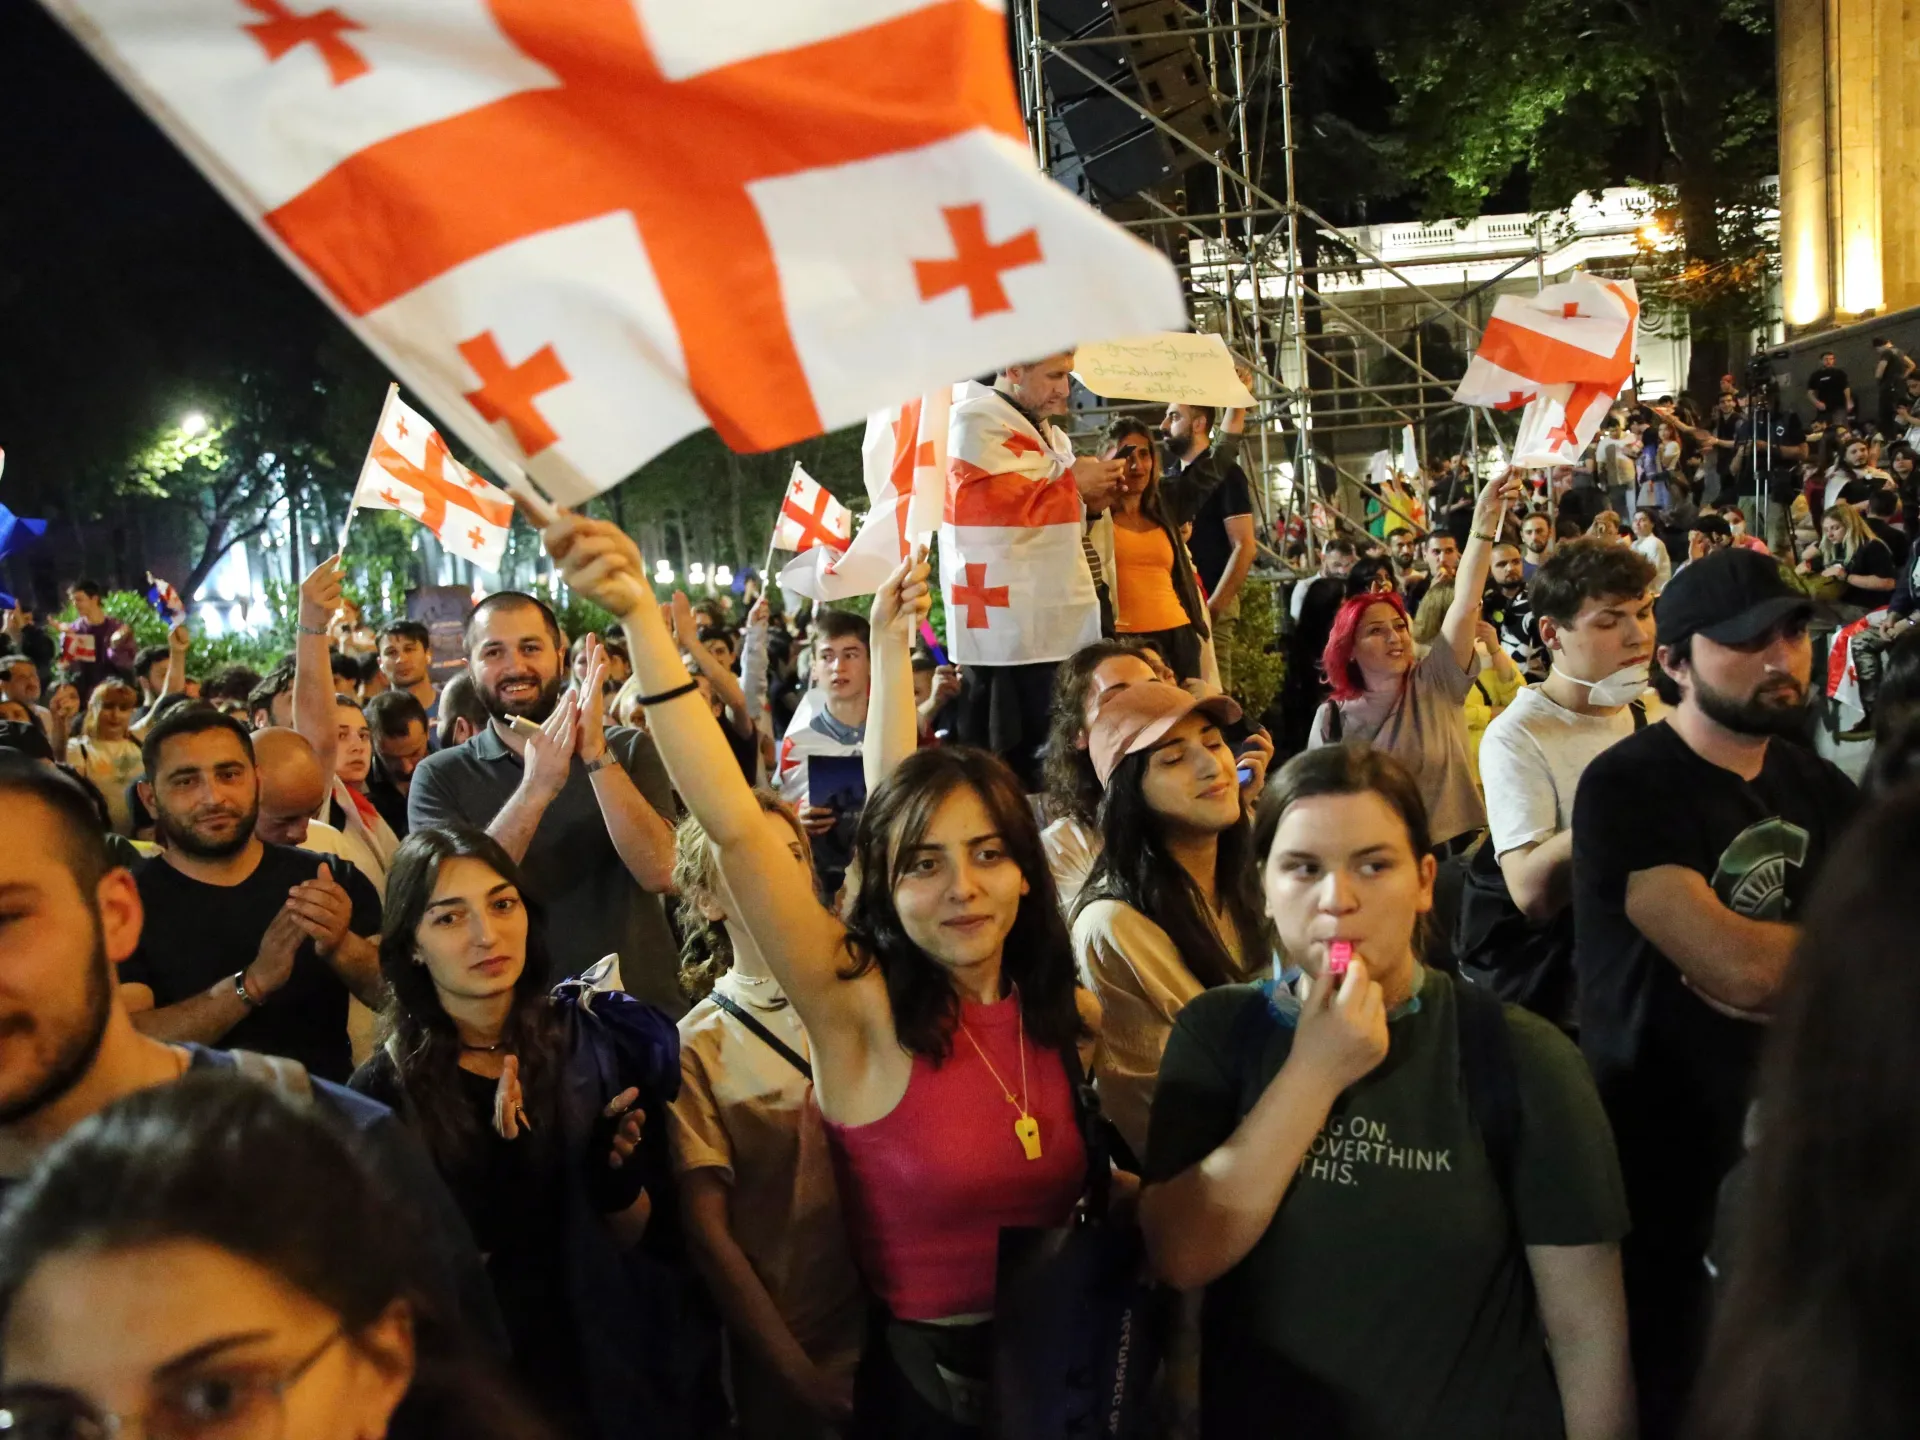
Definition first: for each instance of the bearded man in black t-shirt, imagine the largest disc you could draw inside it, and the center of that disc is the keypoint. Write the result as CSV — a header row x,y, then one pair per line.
x,y
246,944
1695,843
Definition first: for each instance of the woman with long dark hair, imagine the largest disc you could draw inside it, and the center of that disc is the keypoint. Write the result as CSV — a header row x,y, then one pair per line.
x,y
1156,596
1399,1195
1173,905
532,1110
208,1259
1813,1332
1071,802
940,1008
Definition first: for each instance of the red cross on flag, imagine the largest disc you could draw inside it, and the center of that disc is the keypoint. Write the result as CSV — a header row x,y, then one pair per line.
x,y
409,469
904,460
579,231
1564,354
809,516
1016,578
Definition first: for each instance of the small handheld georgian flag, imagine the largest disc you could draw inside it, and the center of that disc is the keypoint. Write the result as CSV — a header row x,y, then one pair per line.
x,y
410,469
77,648
810,516
165,600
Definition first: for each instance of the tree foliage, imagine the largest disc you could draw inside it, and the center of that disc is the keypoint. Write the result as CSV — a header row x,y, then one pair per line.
x,y
1677,94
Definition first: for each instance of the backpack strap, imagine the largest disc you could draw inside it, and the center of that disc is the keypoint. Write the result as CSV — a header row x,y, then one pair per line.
x,y
1336,724
1492,1080
1639,709
773,1042
276,1072
1104,1145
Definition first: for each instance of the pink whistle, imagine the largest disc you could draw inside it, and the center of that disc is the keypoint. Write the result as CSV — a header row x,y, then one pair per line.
x,y
1339,955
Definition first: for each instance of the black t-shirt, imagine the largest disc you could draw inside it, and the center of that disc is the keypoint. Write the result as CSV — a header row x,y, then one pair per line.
x,y
1894,538
1875,559
1829,385
196,934
1210,545
1675,1075
1784,477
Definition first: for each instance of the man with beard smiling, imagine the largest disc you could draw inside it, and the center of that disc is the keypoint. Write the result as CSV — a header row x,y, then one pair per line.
x,y
579,805
1695,842
248,945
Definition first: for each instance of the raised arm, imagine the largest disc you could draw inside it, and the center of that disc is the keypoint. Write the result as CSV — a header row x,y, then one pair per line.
x,y
893,720
726,685
313,705
641,835
753,663
1462,622
849,1020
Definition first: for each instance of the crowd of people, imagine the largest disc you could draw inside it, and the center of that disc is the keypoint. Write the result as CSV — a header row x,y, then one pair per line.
x,y
674,1032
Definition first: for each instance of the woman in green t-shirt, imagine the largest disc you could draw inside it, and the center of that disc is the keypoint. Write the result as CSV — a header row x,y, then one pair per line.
x,y
1321,1159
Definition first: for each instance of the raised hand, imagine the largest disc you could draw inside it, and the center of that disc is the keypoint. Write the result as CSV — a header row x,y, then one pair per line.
x,y
591,724
320,594
905,597
682,621
600,561
1495,497
549,755
510,1102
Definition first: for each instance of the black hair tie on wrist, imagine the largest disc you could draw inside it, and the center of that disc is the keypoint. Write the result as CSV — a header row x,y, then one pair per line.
x,y
666,695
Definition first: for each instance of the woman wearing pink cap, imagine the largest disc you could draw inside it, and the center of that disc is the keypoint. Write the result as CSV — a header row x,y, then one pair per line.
x,y
1172,907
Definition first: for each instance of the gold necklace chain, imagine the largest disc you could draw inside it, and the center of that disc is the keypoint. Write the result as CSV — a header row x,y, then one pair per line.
x,y
1020,1104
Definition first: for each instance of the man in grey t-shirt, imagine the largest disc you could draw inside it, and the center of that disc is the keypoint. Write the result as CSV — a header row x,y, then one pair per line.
x,y
581,807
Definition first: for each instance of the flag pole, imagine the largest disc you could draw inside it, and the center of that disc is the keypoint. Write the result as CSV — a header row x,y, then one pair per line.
x,y
393,390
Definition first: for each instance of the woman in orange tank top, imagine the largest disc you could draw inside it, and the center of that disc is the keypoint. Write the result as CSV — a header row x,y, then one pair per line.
x,y
1156,595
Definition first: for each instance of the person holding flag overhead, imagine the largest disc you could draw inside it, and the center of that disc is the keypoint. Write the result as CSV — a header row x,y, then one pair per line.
x,y
1019,586
96,645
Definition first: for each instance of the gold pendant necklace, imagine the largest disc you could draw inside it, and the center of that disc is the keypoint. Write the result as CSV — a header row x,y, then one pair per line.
x,y
1026,1129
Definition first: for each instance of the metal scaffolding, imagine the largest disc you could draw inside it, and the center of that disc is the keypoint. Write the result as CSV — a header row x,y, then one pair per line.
x,y
1240,250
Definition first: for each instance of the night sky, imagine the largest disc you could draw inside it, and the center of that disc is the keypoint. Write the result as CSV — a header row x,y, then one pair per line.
x,y
125,280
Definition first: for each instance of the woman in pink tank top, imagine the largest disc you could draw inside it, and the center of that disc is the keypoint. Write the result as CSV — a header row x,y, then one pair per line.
x,y
939,1010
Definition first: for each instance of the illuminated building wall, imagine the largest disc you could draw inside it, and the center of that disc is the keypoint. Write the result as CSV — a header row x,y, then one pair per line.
x,y
1849,157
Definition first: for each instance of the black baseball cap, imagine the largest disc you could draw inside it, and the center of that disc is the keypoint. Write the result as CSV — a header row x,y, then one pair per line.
x,y
1713,525
1730,596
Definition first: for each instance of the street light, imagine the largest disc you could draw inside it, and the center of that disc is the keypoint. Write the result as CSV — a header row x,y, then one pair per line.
x,y
192,423
662,573
723,576
696,573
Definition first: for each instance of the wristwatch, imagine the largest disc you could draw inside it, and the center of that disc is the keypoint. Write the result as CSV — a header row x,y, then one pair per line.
x,y
240,989
601,761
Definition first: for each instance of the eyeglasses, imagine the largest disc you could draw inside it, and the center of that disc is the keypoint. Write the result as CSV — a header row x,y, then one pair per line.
x,y
202,1404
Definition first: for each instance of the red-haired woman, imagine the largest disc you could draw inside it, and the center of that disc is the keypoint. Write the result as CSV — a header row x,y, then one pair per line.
x,y
1390,696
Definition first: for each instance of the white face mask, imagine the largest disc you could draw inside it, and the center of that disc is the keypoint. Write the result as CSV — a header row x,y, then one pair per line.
x,y
1620,688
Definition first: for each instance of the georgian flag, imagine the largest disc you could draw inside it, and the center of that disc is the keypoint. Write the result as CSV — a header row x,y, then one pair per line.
x,y
1014,574
582,229
409,469
810,516
904,462
1564,353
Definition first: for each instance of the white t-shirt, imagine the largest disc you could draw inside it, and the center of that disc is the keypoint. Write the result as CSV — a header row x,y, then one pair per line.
x,y
1531,759
1654,551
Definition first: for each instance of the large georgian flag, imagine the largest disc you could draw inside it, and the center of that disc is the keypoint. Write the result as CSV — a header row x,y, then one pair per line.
x,y
1564,353
1016,581
904,464
581,229
409,469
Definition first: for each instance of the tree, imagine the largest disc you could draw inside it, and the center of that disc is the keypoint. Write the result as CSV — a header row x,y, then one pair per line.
x,y
1678,93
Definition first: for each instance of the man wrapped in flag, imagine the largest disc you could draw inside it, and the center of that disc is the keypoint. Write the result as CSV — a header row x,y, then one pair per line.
x,y
1019,587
